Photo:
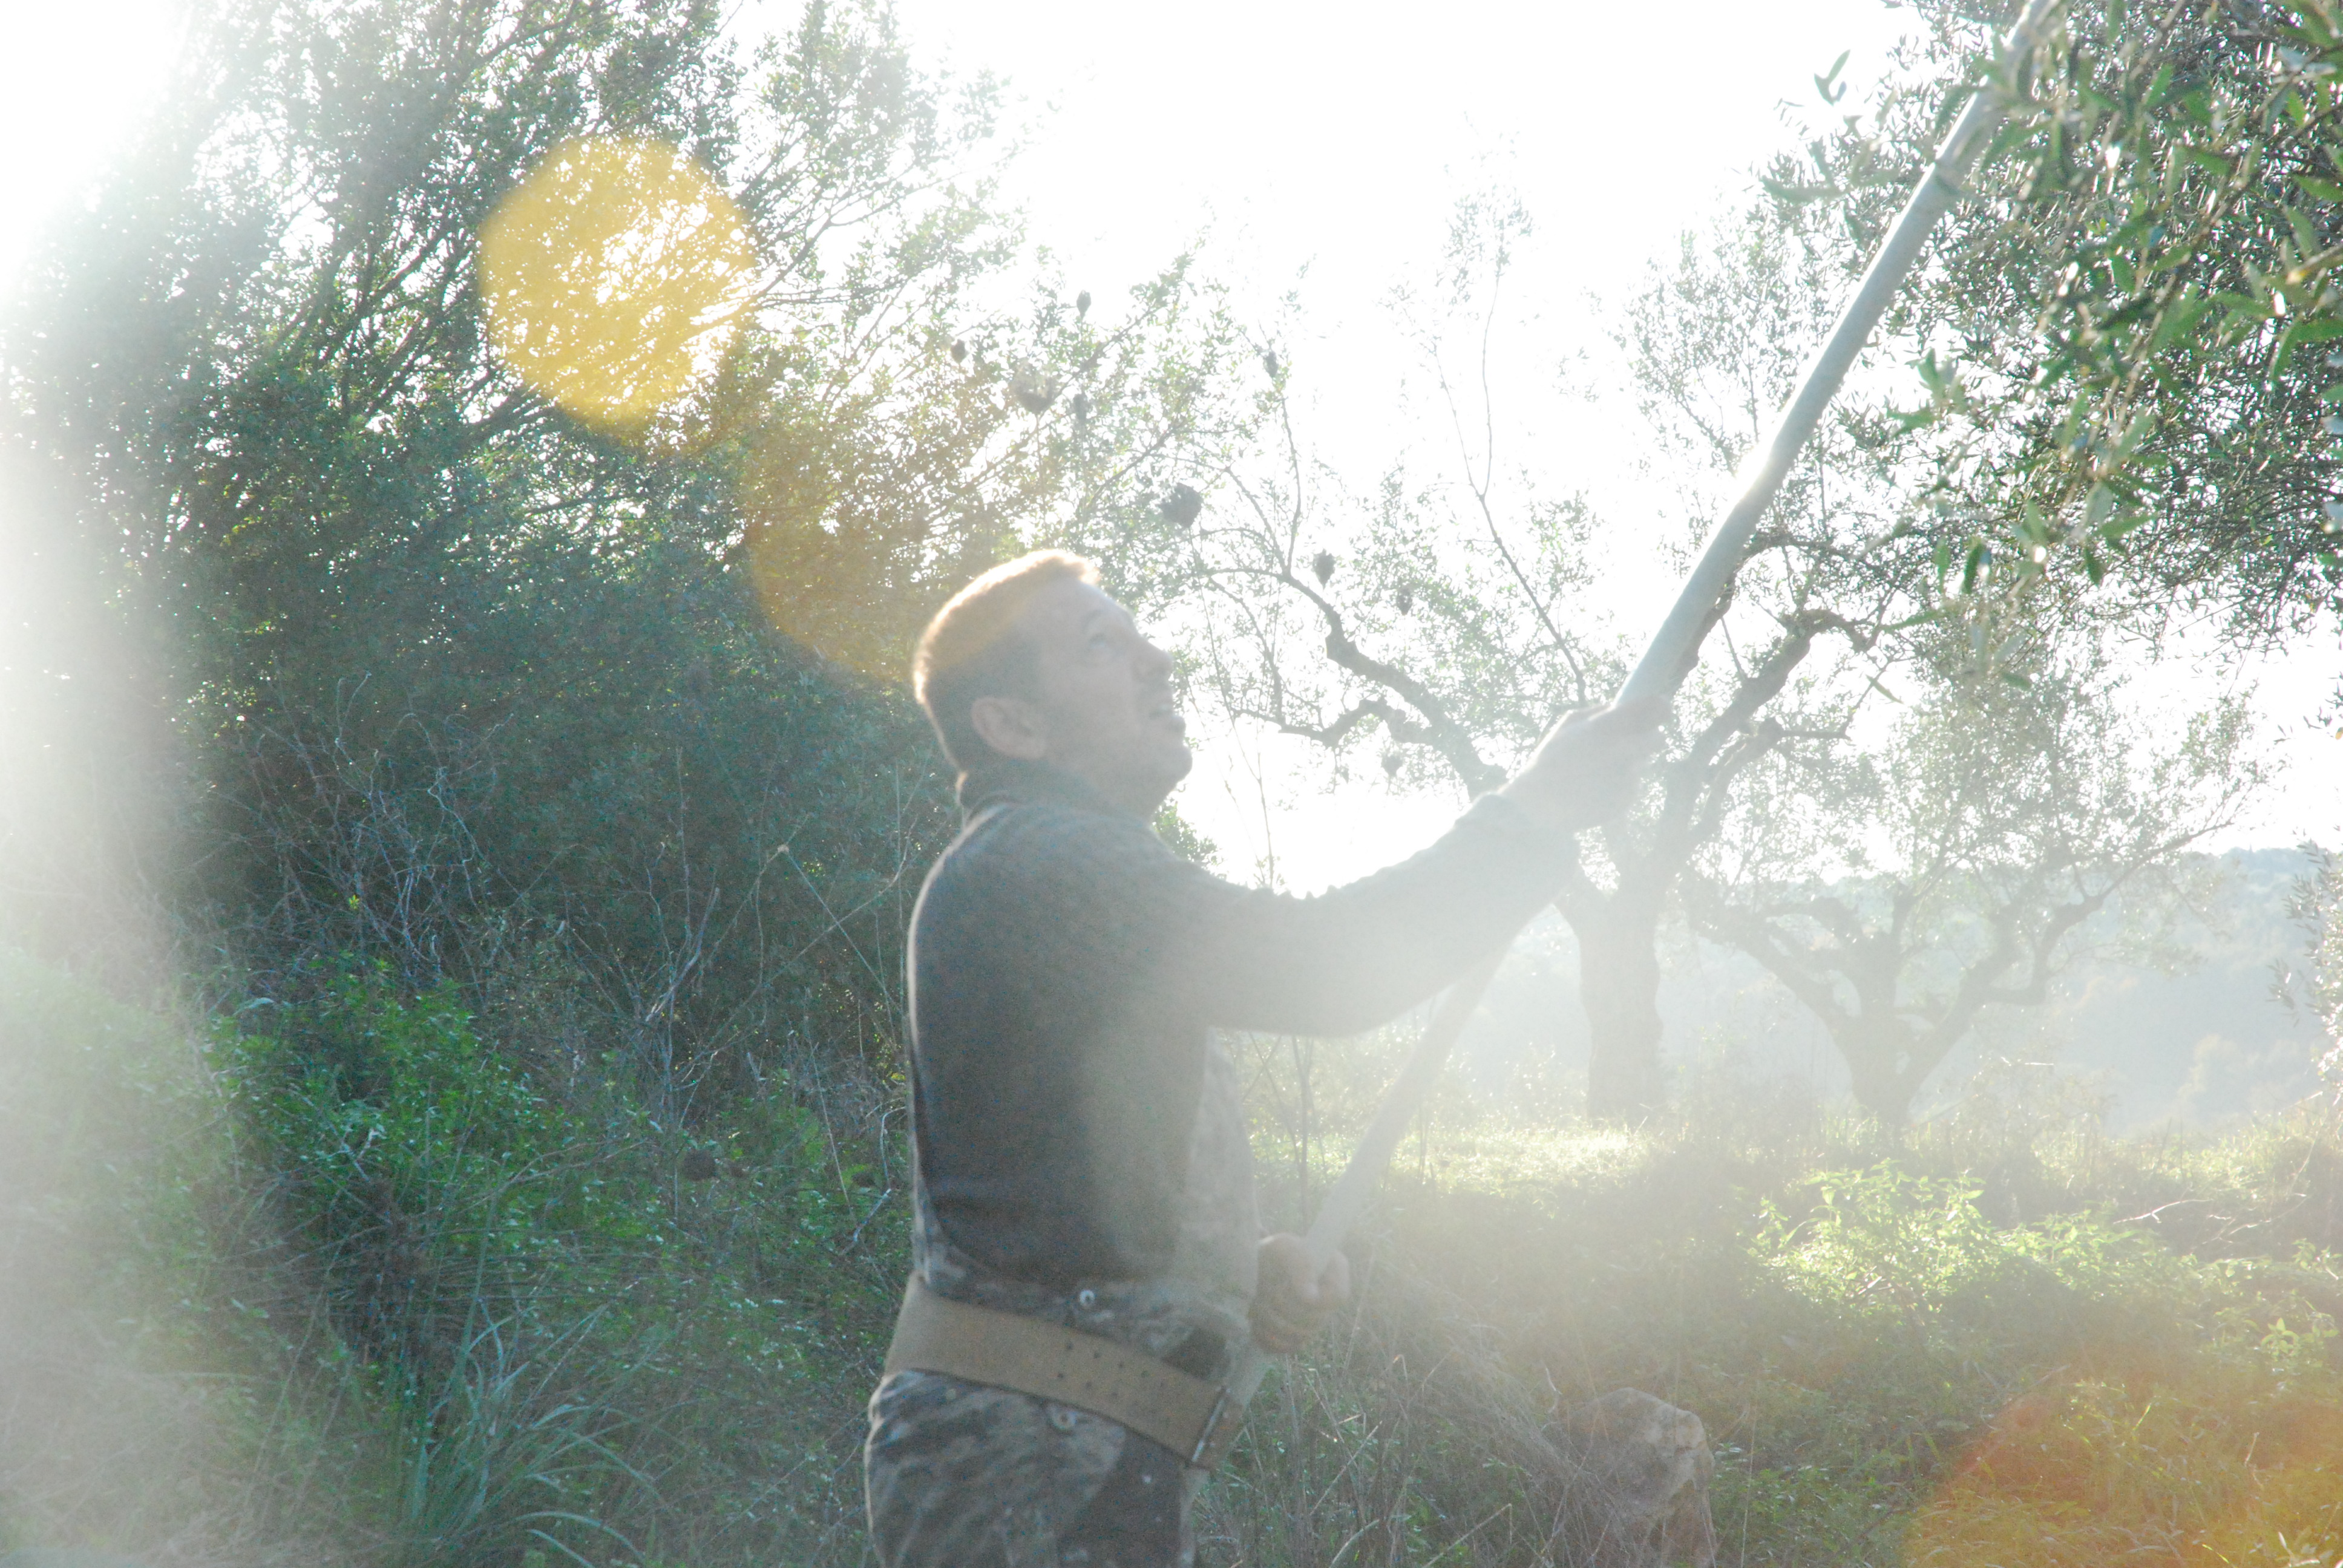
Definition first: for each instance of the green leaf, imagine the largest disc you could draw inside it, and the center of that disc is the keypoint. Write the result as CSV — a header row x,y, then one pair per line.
x,y
2207,159
2181,315
2301,331
2313,28
1793,194
2325,190
2099,506
2306,234
1823,83
2243,306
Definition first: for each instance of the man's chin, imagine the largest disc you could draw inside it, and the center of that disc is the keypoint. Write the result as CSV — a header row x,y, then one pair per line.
x,y
1172,767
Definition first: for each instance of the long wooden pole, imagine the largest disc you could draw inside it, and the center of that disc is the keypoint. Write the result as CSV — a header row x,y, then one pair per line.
x,y
1675,646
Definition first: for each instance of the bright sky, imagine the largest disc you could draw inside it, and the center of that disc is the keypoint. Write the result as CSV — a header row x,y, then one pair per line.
x,y
1322,146
73,80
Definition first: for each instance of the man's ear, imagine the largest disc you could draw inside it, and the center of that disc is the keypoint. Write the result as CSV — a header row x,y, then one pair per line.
x,y
1010,726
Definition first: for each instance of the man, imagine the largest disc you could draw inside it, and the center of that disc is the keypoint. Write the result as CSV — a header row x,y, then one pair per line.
x,y
1083,1222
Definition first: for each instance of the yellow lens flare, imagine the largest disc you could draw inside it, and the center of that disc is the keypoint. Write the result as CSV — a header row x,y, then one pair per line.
x,y
2133,1469
613,278
837,569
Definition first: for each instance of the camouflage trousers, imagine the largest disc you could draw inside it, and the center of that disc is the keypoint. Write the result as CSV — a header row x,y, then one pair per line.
x,y
960,1475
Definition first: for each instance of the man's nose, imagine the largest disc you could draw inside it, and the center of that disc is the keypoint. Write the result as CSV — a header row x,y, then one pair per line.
x,y
1154,663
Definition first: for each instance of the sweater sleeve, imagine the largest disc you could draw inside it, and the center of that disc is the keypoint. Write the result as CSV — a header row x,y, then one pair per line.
x,y
1332,964
1361,954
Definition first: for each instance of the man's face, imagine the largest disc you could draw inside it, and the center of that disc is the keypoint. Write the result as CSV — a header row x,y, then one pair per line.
x,y
1104,709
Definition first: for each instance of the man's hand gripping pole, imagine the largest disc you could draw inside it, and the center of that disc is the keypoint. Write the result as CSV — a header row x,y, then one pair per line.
x,y
1675,647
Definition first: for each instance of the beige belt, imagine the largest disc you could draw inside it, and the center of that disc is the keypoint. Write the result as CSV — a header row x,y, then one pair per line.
x,y
1188,1415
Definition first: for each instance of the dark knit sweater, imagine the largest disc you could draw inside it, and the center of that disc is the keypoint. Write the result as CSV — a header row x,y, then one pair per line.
x,y
1066,967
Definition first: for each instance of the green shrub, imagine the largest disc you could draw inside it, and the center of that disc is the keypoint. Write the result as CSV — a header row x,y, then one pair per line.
x,y
599,1336
560,1328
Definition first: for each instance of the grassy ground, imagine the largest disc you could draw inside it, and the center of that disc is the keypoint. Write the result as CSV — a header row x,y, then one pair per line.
x,y
335,1283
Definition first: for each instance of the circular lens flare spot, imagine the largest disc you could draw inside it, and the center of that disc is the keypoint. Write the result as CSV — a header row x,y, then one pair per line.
x,y
852,552
614,278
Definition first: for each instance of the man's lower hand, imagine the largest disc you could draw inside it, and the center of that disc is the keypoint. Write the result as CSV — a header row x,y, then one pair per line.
x,y
1294,1300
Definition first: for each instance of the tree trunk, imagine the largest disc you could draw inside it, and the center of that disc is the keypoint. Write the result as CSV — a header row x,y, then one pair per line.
x,y
1619,986
1880,1085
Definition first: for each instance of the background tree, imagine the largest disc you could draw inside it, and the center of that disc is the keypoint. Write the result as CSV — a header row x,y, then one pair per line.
x,y
1462,616
577,699
2119,339
2113,337
2319,907
2001,834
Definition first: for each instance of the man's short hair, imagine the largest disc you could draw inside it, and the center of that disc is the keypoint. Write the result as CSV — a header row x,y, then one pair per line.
x,y
972,648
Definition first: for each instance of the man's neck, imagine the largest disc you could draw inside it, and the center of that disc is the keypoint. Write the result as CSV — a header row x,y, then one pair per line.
x,y
999,778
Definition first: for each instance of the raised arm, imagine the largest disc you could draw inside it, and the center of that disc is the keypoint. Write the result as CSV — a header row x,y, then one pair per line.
x,y
1348,960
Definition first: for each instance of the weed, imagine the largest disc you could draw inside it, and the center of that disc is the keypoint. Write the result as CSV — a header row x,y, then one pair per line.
x,y
501,1460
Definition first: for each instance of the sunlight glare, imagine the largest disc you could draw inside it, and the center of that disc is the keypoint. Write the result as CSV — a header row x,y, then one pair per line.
x,y
615,277
829,578
2081,1472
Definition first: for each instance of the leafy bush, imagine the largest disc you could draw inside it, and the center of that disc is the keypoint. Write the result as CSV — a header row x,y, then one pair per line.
x,y
586,1321
422,1167
1861,1322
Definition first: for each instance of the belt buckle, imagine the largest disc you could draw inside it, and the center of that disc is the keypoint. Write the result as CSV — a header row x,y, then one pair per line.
x,y
1219,1433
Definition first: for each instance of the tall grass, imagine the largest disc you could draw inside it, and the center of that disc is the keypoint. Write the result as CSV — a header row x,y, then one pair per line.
x,y
501,1462
1864,1321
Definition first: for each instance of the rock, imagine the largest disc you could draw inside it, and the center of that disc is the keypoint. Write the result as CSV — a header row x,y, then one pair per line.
x,y
1636,1483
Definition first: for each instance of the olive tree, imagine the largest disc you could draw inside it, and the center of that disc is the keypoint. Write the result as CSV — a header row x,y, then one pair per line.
x,y
2001,831
445,669
1446,623
2121,340
2115,390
